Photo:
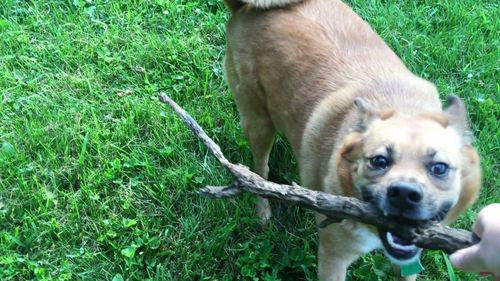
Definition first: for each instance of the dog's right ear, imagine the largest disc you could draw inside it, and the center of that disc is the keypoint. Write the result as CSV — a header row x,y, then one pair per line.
x,y
365,108
366,114
350,151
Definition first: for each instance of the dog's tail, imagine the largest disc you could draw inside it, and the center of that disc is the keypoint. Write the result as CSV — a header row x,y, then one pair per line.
x,y
235,5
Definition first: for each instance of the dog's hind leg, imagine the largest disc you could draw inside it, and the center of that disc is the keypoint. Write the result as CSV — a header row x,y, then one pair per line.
x,y
260,132
257,127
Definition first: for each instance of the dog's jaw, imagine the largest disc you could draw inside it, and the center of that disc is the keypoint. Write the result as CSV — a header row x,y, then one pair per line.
x,y
397,250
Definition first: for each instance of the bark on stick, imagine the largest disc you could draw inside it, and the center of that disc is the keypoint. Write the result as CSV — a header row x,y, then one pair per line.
x,y
428,235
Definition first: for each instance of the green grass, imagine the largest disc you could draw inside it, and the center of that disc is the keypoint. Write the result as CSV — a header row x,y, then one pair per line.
x,y
98,180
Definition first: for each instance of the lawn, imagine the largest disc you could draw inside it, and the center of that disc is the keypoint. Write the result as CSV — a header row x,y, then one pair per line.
x,y
98,180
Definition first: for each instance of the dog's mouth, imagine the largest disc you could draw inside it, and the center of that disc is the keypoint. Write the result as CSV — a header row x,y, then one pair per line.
x,y
398,250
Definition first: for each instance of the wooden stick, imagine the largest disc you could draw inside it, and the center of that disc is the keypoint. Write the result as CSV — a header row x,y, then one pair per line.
x,y
429,235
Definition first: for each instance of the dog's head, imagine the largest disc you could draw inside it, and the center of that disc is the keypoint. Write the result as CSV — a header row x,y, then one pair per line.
x,y
412,168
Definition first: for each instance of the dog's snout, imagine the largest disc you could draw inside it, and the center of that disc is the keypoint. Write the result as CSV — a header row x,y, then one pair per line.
x,y
404,195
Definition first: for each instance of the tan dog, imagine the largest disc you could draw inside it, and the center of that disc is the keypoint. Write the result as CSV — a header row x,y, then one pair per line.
x,y
360,123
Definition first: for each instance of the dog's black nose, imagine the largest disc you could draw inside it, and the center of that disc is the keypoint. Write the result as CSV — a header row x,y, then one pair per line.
x,y
404,195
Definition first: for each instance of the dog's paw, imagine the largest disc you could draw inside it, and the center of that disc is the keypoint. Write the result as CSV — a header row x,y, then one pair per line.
x,y
263,209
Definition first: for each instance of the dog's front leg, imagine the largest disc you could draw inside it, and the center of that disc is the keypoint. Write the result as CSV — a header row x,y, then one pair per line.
x,y
340,244
335,254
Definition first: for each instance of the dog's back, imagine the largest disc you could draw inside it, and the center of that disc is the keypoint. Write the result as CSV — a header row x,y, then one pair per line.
x,y
289,58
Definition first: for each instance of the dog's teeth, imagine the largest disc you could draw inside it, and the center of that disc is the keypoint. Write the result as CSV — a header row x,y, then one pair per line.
x,y
395,245
388,235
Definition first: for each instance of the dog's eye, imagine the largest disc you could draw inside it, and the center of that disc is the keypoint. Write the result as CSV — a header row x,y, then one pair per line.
x,y
379,162
439,169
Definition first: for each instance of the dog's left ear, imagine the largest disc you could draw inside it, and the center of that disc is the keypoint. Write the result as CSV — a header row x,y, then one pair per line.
x,y
456,114
470,179
470,176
